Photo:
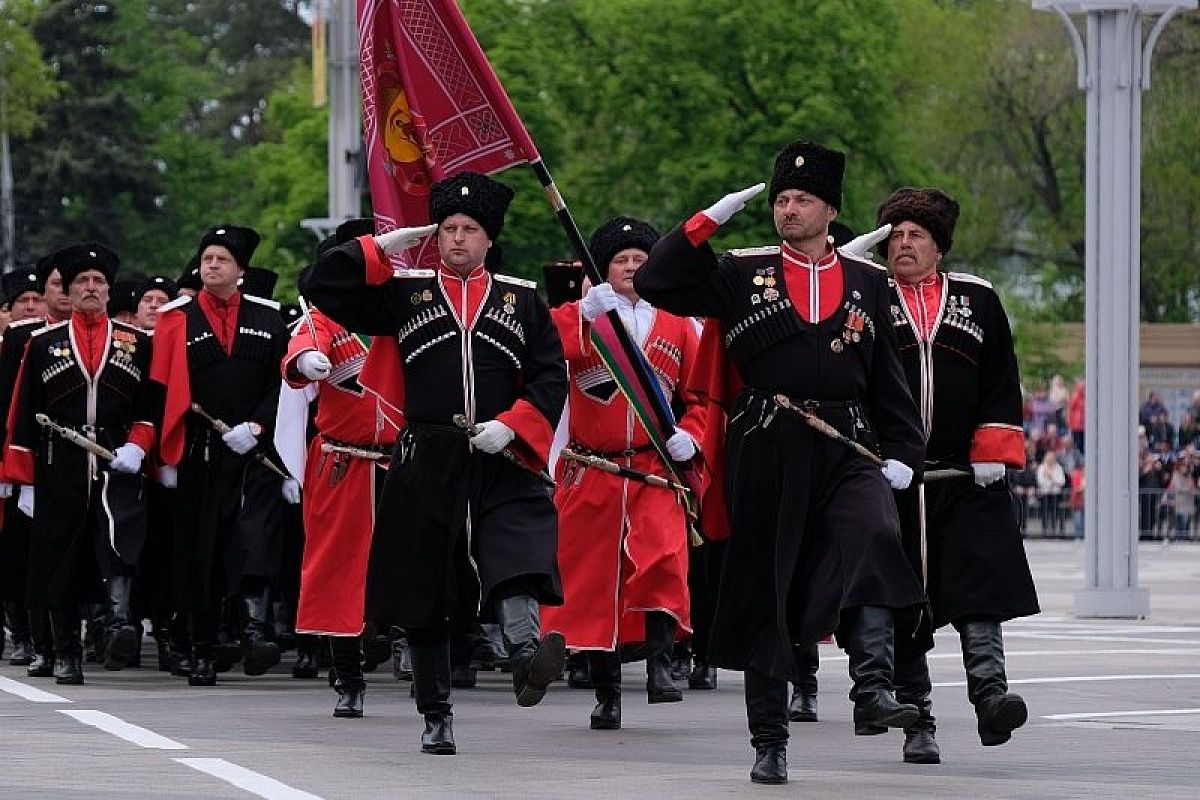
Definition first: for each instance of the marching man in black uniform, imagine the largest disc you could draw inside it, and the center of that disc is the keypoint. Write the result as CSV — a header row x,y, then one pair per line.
x,y
461,528
84,382
221,353
815,542
958,354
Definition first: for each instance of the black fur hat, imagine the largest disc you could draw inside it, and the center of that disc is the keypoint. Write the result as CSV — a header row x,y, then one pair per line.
x,y
240,242
932,209
160,282
77,258
811,168
258,282
190,277
620,233
18,282
478,196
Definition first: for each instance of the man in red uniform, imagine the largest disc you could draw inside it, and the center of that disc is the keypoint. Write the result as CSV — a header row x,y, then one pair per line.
x,y
345,465
623,547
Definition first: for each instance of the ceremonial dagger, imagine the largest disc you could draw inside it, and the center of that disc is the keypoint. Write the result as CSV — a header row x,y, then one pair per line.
x,y
461,421
75,437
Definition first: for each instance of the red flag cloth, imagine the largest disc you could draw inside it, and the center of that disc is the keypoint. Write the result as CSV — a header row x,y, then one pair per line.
x,y
432,107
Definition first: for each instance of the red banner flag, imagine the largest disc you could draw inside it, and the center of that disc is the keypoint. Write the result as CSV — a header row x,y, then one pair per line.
x,y
432,107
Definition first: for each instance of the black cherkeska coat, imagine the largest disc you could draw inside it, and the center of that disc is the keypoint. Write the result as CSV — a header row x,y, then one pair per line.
x,y
967,383
454,523
815,529
89,523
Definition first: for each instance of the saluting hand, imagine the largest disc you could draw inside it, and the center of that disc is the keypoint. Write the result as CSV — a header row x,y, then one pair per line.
x,y
721,211
401,239
860,246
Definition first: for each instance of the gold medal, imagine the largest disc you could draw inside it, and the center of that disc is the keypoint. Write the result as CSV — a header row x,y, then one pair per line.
x,y
758,280
769,281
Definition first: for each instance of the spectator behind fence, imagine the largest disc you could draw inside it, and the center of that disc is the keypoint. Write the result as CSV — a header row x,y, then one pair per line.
x,y
1060,395
1042,410
1181,495
1050,483
1024,486
1149,489
1161,432
1151,409
1076,411
1188,430
1078,484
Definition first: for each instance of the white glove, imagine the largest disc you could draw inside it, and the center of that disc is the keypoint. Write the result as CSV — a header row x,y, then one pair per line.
x,y
987,472
401,239
599,300
25,501
6,490
291,491
721,211
168,476
241,438
680,446
313,365
899,475
493,436
860,246
128,458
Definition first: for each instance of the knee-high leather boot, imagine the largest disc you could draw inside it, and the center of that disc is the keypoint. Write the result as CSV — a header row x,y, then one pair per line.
x,y
866,636
42,663
803,707
123,639
346,655
68,652
660,641
431,688
259,653
767,715
605,669
998,713
535,661
913,687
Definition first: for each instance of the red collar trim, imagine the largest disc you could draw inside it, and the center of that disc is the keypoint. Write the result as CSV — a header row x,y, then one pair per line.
x,y
799,259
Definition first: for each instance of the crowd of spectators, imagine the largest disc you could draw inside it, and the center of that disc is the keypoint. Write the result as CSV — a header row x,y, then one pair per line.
x,y
1049,490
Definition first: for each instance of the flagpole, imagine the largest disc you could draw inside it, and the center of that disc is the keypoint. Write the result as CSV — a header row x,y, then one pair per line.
x,y
584,254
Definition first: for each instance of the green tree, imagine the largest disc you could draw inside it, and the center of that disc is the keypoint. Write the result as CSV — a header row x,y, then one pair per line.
x,y
26,81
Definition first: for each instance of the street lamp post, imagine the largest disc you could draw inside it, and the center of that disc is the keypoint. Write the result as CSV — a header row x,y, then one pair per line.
x,y
1113,67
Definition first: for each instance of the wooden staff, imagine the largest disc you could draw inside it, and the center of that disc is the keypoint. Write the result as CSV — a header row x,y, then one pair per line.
x,y
222,428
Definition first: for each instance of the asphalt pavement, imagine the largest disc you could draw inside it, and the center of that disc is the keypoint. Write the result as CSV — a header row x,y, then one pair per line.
x,y
1114,713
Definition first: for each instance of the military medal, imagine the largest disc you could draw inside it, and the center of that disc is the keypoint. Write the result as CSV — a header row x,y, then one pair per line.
x,y
758,280
771,294
836,345
416,298
427,295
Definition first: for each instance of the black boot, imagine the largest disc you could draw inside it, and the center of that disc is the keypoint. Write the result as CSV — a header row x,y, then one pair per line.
x,y
346,654
68,653
180,641
998,712
604,667
803,707
93,632
42,664
866,636
202,667
913,686
401,657
703,676
286,637
431,688
18,626
681,660
259,654
578,673
462,648
766,713
305,667
660,640
123,639
535,663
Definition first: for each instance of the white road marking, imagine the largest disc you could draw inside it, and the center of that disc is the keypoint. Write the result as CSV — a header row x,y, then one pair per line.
x,y
1158,712
1087,679
140,736
251,781
1071,637
30,693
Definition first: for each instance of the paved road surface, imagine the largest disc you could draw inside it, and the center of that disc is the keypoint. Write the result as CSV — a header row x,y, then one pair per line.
x,y
1115,713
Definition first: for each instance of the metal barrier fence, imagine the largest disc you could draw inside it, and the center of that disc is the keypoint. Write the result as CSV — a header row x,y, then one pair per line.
x,y
1163,515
